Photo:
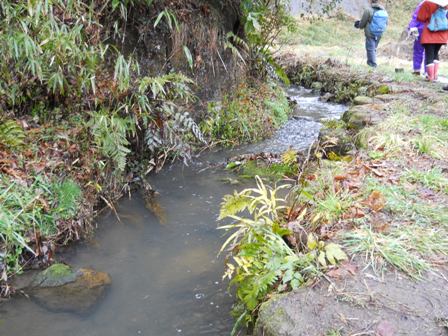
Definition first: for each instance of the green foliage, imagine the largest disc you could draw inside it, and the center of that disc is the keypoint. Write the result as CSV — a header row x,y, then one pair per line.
x,y
27,210
263,22
236,45
403,248
259,259
54,62
249,115
48,54
273,172
280,109
12,134
327,204
433,179
68,195
170,19
110,134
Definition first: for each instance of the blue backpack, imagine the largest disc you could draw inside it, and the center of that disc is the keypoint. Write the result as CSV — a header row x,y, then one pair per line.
x,y
379,21
438,22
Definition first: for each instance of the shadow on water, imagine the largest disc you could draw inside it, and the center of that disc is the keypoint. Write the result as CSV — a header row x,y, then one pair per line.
x,y
166,278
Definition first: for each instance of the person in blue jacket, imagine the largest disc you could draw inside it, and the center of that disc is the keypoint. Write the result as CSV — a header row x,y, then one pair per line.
x,y
374,22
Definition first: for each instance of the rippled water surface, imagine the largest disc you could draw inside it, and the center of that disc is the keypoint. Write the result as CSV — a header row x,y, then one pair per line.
x,y
303,128
166,278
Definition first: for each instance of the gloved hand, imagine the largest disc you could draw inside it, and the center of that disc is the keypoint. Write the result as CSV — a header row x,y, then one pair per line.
x,y
414,33
357,24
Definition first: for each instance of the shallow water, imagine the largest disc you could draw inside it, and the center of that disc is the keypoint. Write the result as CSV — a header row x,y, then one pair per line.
x,y
166,278
303,128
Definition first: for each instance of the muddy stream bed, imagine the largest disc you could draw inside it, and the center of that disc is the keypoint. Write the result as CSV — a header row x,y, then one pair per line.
x,y
166,278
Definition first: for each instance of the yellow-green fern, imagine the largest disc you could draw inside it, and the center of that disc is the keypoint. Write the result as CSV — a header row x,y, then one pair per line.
x,y
12,134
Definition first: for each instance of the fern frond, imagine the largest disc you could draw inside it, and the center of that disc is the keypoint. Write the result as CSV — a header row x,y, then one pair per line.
x,y
12,134
234,204
110,133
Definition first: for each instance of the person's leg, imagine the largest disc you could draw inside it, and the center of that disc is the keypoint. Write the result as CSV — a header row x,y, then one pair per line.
x,y
436,60
429,60
371,45
419,51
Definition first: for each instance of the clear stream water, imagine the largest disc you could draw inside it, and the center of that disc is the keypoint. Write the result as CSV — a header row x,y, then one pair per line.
x,y
166,278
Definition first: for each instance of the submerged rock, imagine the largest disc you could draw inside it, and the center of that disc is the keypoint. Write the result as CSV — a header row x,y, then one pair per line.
x,y
61,288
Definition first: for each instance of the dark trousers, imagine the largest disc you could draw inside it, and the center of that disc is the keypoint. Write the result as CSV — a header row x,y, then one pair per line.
x,y
432,52
371,46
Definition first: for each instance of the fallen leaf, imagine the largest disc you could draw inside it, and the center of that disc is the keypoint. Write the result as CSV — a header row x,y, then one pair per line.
x,y
353,212
344,270
375,201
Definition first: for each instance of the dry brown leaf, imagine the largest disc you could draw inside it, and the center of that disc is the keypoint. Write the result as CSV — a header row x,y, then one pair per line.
x,y
375,201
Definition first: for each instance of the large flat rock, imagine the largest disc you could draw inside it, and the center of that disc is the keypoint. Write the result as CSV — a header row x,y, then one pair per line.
x,y
361,305
60,288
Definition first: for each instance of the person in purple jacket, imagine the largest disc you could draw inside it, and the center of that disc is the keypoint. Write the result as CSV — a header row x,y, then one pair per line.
x,y
415,29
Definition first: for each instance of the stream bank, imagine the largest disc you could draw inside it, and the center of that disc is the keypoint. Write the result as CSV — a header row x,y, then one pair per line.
x,y
79,126
392,221
166,278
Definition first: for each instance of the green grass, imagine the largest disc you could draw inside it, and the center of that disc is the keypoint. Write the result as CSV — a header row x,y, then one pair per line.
x,y
28,209
273,172
328,203
333,332
378,248
250,114
408,248
407,205
433,179
332,205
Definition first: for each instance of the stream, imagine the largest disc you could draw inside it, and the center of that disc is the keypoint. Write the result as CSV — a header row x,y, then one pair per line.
x,y
166,278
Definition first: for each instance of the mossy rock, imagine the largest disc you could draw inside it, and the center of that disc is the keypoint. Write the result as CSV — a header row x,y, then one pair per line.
x,y
60,288
383,89
336,140
362,100
55,275
357,118
273,319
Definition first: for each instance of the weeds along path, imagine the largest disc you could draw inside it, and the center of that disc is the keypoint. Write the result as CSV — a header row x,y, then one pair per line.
x,y
376,187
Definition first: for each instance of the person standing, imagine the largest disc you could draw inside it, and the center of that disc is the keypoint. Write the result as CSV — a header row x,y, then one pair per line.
x,y
374,22
415,29
434,35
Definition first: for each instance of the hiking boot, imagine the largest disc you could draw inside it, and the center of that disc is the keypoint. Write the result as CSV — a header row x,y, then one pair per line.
x,y
416,73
